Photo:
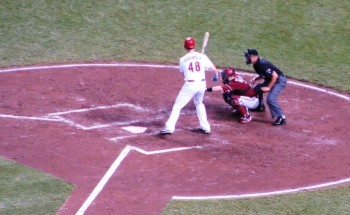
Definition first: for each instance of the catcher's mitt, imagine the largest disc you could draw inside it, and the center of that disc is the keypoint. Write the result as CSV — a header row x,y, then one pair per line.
x,y
227,96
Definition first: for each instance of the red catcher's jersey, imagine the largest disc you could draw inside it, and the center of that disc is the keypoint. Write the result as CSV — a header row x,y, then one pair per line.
x,y
239,86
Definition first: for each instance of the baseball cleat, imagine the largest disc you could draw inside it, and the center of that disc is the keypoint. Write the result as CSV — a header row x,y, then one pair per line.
x,y
245,119
279,121
165,132
200,130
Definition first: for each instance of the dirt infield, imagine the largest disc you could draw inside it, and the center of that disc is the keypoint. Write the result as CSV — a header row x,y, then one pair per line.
x,y
70,121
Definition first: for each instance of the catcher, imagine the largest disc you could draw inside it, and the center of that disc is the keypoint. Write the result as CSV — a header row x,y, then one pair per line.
x,y
238,93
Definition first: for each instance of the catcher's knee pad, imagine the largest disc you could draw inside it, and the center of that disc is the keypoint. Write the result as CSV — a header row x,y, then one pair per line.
x,y
235,101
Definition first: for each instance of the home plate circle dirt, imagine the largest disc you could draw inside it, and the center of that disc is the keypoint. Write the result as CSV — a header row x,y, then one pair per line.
x,y
95,125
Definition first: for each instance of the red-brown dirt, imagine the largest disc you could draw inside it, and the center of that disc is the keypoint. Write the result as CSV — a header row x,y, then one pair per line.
x,y
48,117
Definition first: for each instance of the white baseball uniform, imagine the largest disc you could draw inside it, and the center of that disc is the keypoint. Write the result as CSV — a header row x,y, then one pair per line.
x,y
193,66
250,102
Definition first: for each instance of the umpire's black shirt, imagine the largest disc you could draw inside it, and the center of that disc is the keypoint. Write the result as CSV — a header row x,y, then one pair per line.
x,y
264,69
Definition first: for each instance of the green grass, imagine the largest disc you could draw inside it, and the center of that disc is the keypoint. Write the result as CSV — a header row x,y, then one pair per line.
x,y
307,39
328,202
26,191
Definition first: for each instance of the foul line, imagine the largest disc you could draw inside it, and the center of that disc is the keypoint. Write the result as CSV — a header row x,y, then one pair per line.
x,y
252,195
114,167
309,87
86,65
148,66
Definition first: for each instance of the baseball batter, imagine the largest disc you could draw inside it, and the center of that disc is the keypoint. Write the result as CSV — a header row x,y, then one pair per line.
x,y
192,66
237,93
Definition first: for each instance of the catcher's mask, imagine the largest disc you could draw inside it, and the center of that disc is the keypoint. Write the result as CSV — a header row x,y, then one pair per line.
x,y
189,43
248,53
226,73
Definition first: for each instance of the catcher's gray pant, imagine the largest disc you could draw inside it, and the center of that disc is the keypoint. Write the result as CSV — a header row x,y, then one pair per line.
x,y
271,99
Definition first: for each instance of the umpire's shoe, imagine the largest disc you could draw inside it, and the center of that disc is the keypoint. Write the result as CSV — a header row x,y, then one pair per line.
x,y
279,121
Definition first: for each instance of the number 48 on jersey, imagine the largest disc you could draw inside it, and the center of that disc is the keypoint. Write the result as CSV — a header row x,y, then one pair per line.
x,y
194,66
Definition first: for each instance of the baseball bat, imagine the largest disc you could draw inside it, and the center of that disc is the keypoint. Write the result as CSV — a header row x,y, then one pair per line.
x,y
205,41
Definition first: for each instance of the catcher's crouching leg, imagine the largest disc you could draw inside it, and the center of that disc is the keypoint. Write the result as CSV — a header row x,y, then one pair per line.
x,y
242,110
227,98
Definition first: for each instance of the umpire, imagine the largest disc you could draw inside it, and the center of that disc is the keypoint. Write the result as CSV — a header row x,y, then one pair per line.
x,y
274,83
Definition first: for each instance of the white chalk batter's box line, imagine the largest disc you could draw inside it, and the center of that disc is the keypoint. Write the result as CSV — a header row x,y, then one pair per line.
x,y
58,116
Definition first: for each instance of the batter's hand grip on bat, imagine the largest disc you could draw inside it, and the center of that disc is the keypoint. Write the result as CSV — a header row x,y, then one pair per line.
x,y
214,78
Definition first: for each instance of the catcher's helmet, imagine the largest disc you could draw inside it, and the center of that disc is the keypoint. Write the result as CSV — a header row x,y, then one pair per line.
x,y
226,73
189,43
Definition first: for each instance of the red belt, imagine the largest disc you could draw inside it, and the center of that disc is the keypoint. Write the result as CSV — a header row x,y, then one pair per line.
x,y
194,80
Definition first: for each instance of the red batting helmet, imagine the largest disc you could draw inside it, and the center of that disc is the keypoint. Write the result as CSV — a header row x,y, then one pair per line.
x,y
226,73
189,43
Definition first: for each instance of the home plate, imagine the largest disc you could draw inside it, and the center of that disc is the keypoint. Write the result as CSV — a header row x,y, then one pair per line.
x,y
135,129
